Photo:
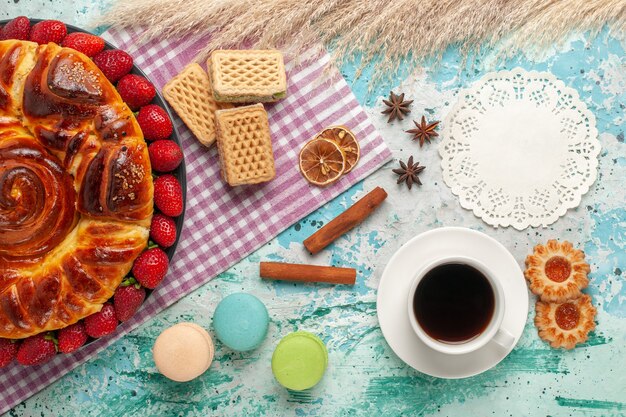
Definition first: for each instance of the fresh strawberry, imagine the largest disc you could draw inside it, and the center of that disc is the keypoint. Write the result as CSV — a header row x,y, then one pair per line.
x,y
86,43
128,298
18,28
48,31
163,230
113,63
168,195
165,155
37,349
72,337
150,267
101,323
154,122
135,90
8,351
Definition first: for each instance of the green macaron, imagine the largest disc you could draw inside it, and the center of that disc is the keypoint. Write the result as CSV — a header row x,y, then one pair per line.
x,y
299,361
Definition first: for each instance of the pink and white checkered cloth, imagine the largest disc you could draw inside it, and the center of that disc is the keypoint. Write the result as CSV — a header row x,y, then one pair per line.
x,y
224,224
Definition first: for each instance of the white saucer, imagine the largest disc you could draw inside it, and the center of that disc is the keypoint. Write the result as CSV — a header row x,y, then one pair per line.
x,y
396,281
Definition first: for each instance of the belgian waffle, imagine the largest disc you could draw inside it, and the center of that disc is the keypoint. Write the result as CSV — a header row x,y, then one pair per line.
x,y
189,93
245,145
247,76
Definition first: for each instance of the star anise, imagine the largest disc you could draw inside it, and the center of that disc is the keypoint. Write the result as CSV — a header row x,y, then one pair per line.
x,y
397,107
408,172
423,131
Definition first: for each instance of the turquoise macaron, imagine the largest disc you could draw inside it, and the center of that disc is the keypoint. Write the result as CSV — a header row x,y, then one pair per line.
x,y
240,321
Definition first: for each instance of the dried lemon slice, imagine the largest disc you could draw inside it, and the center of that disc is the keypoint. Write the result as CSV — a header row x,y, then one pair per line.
x,y
346,141
322,161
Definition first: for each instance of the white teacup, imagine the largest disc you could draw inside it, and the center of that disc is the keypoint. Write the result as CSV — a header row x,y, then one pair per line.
x,y
493,331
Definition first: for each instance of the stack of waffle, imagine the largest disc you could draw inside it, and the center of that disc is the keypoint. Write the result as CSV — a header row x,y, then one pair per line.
x,y
205,103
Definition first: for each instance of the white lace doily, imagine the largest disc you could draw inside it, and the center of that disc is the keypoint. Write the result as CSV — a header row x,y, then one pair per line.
x,y
519,148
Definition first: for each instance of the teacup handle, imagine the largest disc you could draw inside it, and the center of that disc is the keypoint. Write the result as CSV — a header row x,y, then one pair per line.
x,y
504,338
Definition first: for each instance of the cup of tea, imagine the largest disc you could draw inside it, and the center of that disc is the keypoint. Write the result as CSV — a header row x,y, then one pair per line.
x,y
456,306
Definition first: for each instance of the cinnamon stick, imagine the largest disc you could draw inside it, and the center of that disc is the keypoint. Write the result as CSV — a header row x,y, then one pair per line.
x,y
345,221
307,273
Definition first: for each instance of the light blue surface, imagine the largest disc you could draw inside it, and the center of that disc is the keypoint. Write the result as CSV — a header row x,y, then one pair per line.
x,y
364,377
240,321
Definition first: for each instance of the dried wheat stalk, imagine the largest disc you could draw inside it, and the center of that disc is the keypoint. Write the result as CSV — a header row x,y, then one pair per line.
x,y
392,31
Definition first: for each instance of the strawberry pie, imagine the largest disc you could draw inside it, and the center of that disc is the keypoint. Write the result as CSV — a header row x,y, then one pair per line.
x,y
76,190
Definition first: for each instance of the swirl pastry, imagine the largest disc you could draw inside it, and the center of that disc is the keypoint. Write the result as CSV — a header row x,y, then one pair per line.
x,y
75,188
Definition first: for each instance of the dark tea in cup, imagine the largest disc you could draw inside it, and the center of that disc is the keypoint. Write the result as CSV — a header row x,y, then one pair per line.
x,y
454,303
